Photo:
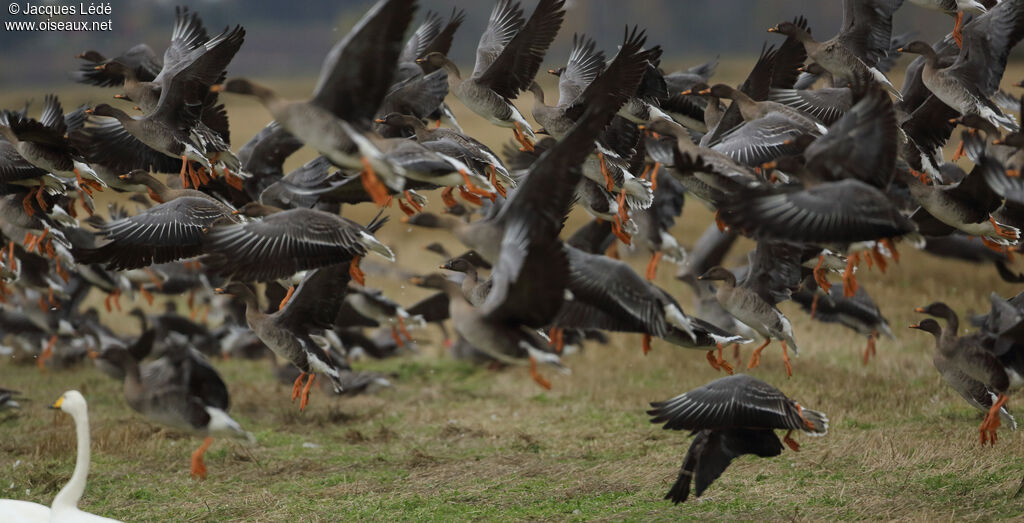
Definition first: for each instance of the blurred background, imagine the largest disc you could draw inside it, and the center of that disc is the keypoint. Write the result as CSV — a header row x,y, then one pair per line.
x,y
289,39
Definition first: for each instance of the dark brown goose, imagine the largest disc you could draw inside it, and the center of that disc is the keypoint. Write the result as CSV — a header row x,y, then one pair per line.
x,y
730,417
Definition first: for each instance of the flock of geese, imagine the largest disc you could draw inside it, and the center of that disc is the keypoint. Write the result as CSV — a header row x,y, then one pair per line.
x,y
822,179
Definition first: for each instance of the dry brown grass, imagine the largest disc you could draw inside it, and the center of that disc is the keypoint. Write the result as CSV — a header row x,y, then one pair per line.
x,y
453,442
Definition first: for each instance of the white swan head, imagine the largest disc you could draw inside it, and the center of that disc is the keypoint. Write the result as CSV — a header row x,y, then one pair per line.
x,y
71,402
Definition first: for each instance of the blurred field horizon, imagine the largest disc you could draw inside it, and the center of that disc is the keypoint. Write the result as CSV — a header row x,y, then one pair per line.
x,y
454,442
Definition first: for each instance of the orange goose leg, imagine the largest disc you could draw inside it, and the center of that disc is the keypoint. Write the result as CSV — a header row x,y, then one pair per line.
x,y
232,180
47,353
959,153
447,198
396,337
819,274
652,266
879,258
26,203
355,272
535,374
609,182
145,294
1004,232
992,421
712,360
297,386
718,221
374,187
406,210
722,363
646,344
654,176
402,329
958,36
287,296
412,201
40,194
305,392
184,167
198,467
755,358
870,349
470,197
521,138
496,183
785,360
62,273
791,442
849,279
468,184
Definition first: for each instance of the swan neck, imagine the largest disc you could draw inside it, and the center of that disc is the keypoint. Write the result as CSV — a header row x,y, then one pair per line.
x,y
69,495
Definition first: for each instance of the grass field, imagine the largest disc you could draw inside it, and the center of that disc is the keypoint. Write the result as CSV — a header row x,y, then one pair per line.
x,y
451,441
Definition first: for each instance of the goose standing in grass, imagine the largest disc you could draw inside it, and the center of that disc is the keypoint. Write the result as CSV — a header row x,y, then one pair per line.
x,y
65,505
730,417
180,390
976,393
968,355
507,59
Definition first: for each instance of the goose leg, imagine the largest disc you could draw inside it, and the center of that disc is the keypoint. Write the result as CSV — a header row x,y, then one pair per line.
x,y
959,153
722,363
373,185
113,298
406,210
184,167
609,182
849,280
297,386
535,374
958,36
145,294
870,349
287,296
712,360
992,421
755,358
718,221
12,262
557,338
892,249
470,197
396,337
47,353
305,392
402,329
520,137
232,180
619,233
26,203
473,188
412,201
791,442
785,359
496,183
879,258
61,272
40,197
646,344
654,176
198,467
652,266
1013,173
1004,231
355,272
819,275
447,198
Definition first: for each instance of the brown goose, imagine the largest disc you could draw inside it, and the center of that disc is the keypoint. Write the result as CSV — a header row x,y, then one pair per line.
x,y
969,355
867,28
180,390
975,392
754,306
354,79
314,305
284,242
507,59
170,231
730,417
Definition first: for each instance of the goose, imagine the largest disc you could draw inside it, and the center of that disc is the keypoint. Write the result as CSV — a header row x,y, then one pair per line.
x,y
507,59
65,504
730,417
970,356
957,8
976,393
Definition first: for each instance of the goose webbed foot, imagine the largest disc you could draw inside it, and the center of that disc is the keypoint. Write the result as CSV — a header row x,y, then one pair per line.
x,y
297,386
374,187
992,422
471,187
722,363
879,258
819,275
849,278
198,467
448,199
231,179
305,392
470,197
406,210
517,133
402,329
497,184
870,349
789,441
355,272
1013,173
556,337
287,296
785,360
1003,231
755,358
645,345
537,377
26,203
